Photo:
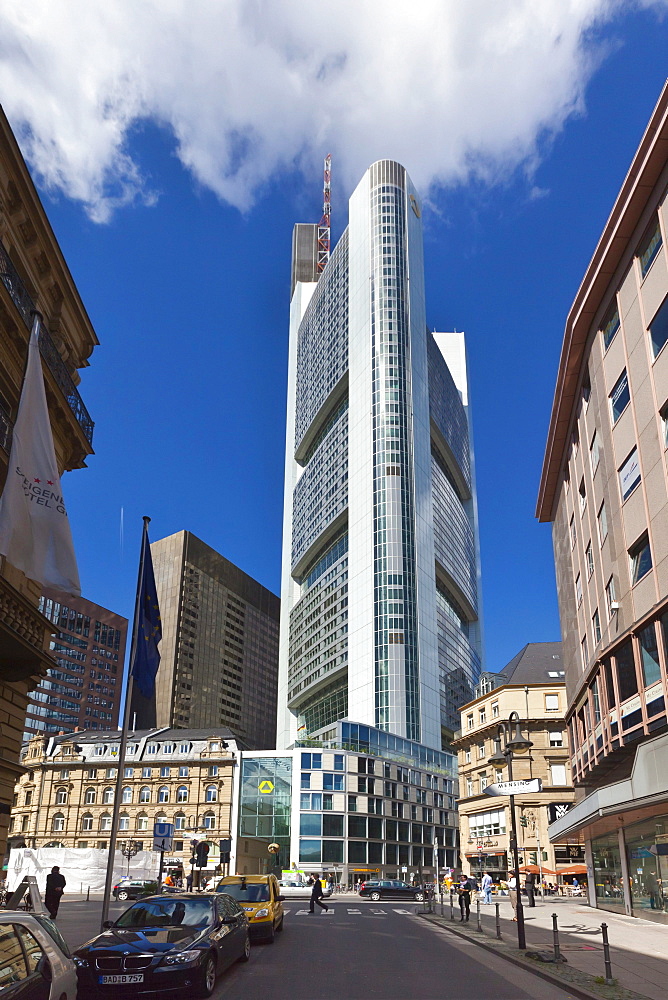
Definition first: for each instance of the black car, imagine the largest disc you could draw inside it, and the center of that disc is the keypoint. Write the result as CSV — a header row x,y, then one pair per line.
x,y
164,943
391,889
134,888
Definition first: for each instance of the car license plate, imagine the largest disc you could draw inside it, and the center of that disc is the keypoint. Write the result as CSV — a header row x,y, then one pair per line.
x,y
112,980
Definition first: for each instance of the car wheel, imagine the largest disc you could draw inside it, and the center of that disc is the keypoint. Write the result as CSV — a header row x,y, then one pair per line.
x,y
271,935
207,980
122,894
245,955
419,896
280,926
375,896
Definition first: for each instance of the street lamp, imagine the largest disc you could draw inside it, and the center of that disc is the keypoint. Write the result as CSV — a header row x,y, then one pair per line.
x,y
507,746
128,849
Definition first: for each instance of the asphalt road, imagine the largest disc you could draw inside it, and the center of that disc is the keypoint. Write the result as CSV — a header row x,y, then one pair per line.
x,y
358,951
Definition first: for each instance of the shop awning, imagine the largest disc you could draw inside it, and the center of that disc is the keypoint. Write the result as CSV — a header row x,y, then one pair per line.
x,y
535,870
573,870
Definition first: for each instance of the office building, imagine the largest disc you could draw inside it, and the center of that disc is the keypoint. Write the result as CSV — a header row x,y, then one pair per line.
x,y
219,649
33,275
604,487
380,588
83,689
533,685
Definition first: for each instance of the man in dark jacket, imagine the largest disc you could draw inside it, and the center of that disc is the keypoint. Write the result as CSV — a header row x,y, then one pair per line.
x,y
316,896
55,883
530,886
464,890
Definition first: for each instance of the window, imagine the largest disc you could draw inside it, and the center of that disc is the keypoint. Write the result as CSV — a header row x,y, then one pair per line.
x,y
180,821
146,772
594,453
211,794
126,795
596,627
128,772
90,797
469,721
620,397
649,653
124,822
584,646
64,774
352,803
311,761
163,794
488,824
306,779
481,716
481,751
582,494
610,327
658,329
578,589
212,772
111,772
629,474
164,772
61,796
556,738
338,762
627,679
168,748
602,519
182,794
92,773
641,559
184,748
574,536
495,709
610,596
145,794
664,419
209,820
467,756
649,247
469,786
332,782
483,782
142,821
99,751
589,559
558,774
108,795
58,824
87,821
105,821
551,702
183,772
152,748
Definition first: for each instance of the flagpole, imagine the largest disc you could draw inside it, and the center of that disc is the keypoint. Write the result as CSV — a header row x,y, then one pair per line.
x,y
129,684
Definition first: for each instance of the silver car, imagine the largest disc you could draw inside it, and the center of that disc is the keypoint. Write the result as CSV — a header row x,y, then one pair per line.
x,y
292,889
35,962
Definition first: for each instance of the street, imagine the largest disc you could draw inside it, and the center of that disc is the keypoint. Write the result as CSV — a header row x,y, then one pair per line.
x,y
358,950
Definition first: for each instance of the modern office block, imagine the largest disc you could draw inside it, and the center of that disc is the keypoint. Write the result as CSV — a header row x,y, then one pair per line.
x,y
380,588
83,689
219,649
605,489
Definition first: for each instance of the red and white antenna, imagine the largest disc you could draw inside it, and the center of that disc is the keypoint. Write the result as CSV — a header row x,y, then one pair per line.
x,y
324,231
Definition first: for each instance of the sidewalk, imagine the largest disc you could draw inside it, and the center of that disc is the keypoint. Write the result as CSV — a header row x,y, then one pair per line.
x,y
638,948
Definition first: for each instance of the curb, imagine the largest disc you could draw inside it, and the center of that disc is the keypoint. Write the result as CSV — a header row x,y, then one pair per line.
x,y
541,972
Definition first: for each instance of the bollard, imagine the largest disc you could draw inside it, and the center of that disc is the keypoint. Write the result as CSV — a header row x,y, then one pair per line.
x,y
88,894
477,913
606,955
555,938
452,912
498,921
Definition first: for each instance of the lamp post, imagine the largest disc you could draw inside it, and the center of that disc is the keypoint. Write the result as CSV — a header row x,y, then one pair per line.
x,y
128,850
509,745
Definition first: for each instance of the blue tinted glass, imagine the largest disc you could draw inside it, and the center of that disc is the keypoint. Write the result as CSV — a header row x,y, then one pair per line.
x,y
310,824
658,330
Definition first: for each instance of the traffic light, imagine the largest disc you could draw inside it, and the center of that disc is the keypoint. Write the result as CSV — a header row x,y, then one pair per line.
x,y
225,847
524,821
202,854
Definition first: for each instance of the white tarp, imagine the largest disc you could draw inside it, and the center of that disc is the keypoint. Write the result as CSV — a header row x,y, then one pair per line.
x,y
83,868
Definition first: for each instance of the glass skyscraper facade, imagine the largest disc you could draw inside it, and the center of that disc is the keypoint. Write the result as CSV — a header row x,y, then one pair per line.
x,y
380,586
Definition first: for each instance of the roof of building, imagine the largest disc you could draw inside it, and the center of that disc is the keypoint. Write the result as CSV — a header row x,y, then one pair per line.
x,y
536,663
105,735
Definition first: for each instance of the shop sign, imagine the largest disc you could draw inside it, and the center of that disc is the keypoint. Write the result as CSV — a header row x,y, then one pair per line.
x,y
557,810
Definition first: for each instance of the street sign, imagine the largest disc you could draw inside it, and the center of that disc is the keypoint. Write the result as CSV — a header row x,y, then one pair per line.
x,y
404,869
163,836
526,787
266,787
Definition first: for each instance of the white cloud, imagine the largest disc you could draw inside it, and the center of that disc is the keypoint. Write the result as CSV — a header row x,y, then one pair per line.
x,y
250,87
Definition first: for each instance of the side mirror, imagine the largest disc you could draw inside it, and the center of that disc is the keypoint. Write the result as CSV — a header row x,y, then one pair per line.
x,y
280,898
44,969
107,924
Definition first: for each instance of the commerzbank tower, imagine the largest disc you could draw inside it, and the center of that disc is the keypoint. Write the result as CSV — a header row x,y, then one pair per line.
x,y
380,621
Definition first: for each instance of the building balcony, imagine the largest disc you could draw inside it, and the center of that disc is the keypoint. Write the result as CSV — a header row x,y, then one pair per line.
x,y
23,631
25,307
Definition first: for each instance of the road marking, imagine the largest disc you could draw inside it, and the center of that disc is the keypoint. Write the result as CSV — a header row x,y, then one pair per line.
x,y
401,911
354,911
299,912
285,912
379,912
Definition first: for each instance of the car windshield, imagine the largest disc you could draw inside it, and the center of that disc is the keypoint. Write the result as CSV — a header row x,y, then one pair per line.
x,y
53,932
248,892
168,913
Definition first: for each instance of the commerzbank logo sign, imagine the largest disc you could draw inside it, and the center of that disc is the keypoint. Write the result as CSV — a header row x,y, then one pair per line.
x,y
266,787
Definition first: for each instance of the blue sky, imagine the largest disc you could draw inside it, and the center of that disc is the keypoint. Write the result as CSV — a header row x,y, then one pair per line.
x,y
176,222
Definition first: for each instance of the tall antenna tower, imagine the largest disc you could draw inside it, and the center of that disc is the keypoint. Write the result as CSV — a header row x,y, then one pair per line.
x,y
324,230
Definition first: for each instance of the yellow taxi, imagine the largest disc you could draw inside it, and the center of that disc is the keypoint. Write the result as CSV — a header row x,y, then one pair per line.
x,y
260,898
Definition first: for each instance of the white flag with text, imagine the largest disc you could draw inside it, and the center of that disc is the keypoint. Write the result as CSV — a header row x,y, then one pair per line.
x,y
35,533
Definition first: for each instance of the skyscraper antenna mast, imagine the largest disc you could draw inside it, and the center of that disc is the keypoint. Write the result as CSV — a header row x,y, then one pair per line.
x,y
324,230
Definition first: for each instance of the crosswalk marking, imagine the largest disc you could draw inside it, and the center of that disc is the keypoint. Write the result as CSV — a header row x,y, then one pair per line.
x,y
379,912
400,911
299,912
354,911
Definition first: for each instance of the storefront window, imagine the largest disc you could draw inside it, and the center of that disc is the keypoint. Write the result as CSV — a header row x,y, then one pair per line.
x,y
608,872
646,843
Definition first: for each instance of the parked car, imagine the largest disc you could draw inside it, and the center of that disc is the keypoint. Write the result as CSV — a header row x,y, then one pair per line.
x,y
35,962
261,899
163,944
300,890
134,888
391,889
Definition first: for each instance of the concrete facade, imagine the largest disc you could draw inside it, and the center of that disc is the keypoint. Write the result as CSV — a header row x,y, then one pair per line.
x,y
605,489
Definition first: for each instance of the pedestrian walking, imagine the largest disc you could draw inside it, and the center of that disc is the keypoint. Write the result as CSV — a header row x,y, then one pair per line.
x,y
487,887
55,885
464,893
512,892
316,896
189,882
530,886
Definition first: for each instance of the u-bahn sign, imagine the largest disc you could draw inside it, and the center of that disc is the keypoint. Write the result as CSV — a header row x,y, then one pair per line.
x,y
527,787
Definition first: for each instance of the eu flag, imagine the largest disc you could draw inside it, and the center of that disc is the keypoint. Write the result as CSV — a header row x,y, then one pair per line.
x,y
146,658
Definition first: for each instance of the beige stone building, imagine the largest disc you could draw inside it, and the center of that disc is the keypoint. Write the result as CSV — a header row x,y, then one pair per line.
x,y
604,488
65,796
33,275
532,684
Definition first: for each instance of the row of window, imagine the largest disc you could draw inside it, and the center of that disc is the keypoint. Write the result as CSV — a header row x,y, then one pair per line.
x,y
208,821
146,772
555,737
551,705
127,795
557,779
